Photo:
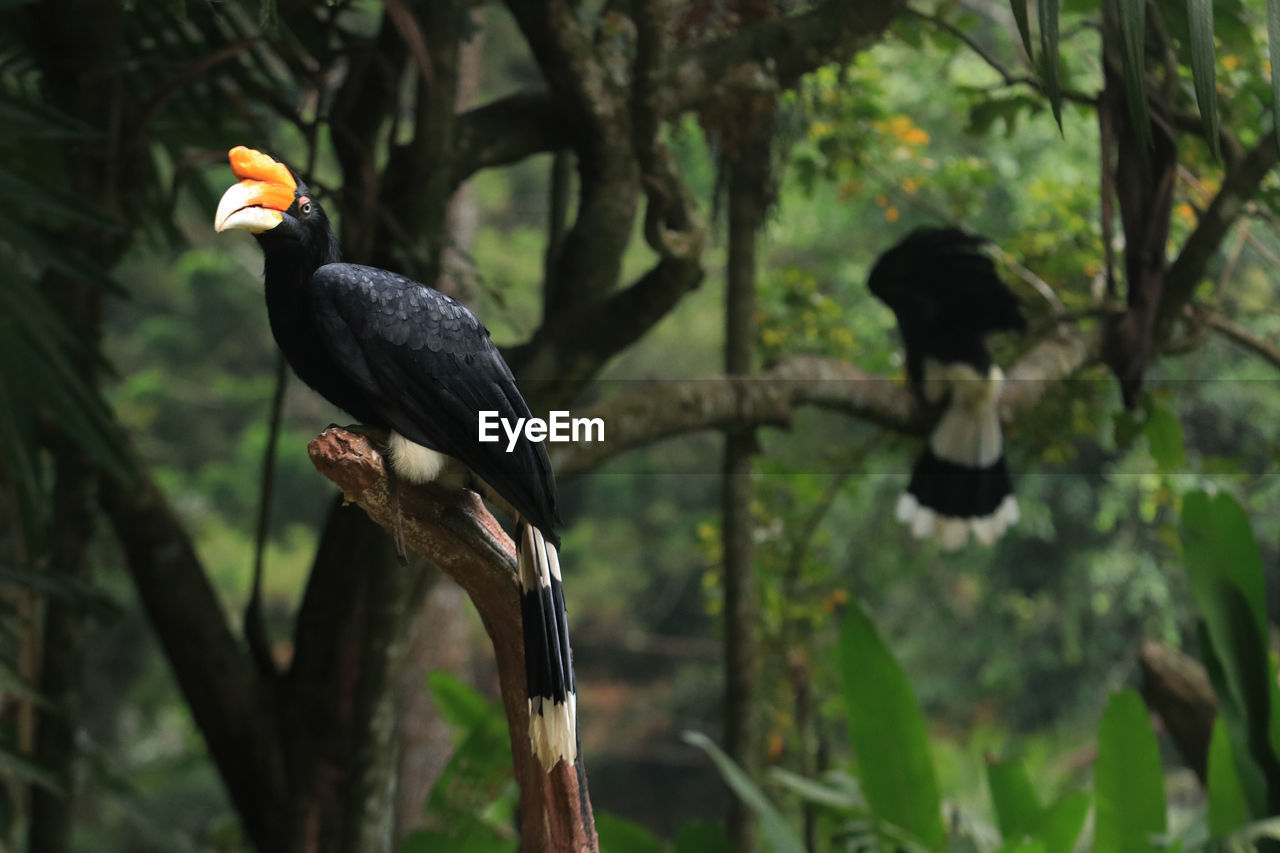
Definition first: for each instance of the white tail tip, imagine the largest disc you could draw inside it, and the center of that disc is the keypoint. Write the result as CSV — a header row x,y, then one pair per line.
x,y
553,731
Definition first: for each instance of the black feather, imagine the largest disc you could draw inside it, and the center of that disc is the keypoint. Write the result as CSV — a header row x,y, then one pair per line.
x,y
946,294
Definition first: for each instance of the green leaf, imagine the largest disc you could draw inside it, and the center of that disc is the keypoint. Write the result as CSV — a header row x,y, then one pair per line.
x,y
1253,782
477,780
1217,541
467,834
1203,71
815,791
1133,33
1064,821
1128,781
457,702
1225,572
1228,810
703,836
619,835
1165,441
1273,51
13,684
774,825
1024,25
1049,59
1022,845
1018,811
22,768
888,733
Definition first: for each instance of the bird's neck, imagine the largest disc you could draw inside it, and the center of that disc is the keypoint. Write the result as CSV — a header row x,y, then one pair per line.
x,y
287,279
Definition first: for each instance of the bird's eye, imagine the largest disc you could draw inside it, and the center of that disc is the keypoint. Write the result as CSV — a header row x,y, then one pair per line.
x,y
305,209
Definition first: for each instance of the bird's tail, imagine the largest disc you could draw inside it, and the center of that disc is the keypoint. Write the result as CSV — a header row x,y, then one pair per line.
x,y
960,484
548,661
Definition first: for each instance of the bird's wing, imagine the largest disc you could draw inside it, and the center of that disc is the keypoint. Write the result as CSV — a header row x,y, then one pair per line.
x,y
428,368
942,276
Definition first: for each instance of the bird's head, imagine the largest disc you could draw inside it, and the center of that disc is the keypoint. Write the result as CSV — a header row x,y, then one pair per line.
x,y
272,203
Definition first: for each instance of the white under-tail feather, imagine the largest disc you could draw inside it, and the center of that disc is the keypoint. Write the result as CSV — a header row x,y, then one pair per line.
x,y
966,450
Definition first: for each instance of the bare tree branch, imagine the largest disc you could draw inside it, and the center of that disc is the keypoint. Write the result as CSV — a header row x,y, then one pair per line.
x,y
217,680
1242,336
766,57
457,534
508,130
774,55
668,409
1239,185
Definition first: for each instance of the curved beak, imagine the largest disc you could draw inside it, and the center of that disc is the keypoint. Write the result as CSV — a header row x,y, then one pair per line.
x,y
253,206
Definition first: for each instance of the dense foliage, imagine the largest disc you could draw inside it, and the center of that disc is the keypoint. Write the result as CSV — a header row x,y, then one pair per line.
x,y
906,698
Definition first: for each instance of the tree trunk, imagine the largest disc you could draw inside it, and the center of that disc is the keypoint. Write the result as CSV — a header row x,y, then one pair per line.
x,y
62,660
747,203
438,638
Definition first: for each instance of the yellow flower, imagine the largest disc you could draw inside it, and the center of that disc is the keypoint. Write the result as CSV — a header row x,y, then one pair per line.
x,y
891,214
910,186
1185,212
834,600
915,136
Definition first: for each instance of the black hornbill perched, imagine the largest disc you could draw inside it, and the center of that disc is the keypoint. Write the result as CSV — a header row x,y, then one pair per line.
x,y
404,358
946,294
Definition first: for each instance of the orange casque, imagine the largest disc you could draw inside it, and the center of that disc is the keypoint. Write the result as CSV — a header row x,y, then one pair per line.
x,y
272,183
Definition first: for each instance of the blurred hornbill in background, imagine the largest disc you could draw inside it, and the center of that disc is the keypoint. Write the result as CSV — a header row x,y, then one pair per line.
x,y
947,296
405,359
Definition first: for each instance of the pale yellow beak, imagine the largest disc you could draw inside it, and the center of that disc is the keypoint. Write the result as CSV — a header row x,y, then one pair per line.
x,y
253,206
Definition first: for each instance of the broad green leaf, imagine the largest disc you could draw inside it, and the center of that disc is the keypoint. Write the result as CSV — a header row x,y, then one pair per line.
x,y
477,780
1203,70
1217,540
1133,33
1064,821
1273,51
619,835
779,835
1253,782
703,836
1022,845
1024,25
888,733
1018,811
1225,572
1165,441
1049,60
1128,780
1228,810
458,703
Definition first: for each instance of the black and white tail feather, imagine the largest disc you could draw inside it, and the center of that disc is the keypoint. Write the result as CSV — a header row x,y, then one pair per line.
x,y
946,295
960,485
548,659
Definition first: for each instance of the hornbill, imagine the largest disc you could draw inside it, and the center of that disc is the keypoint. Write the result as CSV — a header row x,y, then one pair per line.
x,y
410,361
946,294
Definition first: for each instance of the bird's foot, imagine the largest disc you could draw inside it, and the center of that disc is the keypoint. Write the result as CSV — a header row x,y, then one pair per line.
x,y
397,520
377,435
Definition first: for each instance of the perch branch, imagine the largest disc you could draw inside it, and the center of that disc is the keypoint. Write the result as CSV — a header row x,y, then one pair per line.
x,y
455,532
664,410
